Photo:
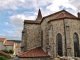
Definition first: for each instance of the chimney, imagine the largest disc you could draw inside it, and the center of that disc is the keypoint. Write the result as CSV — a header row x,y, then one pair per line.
x,y
78,14
39,16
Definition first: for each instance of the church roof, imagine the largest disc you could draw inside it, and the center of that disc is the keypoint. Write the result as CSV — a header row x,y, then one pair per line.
x,y
64,14
36,52
58,15
61,14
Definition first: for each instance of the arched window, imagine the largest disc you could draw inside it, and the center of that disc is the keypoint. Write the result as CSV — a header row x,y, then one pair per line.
x,y
76,44
59,44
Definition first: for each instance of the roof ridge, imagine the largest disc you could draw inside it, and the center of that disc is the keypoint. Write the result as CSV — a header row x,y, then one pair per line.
x,y
58,12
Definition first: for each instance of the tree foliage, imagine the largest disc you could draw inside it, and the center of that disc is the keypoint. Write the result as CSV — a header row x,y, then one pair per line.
x,y
11,51
8,51
3,58
5,50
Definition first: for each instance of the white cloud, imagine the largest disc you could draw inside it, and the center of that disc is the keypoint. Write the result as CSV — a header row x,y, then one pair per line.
x,y
55,6
1,35
17,21
17,4
52,5
6,23
47,7
76,3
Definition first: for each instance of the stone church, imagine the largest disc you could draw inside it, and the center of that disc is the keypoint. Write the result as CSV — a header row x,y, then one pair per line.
x,y
45,38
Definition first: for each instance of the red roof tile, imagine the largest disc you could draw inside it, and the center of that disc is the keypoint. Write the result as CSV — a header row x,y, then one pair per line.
x,y
3,53
36,52
60,14
9,43
64,14
2,39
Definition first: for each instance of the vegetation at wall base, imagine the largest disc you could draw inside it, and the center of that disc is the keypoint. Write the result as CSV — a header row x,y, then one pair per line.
x,y
2,57
5,50
11,51
8,51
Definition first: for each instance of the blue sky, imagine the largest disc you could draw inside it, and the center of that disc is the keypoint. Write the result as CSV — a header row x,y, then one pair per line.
x,y
14,12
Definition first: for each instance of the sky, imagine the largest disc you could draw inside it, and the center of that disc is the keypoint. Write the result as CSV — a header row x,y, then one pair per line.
x,y
14,12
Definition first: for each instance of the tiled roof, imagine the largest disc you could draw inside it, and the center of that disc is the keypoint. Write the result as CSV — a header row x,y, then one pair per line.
x,y
9,43
2,39
3,53
36,52
18,45
64,14
61,14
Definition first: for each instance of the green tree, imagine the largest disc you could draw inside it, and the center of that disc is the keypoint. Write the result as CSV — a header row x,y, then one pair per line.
x,y
11,51
3,58
5,50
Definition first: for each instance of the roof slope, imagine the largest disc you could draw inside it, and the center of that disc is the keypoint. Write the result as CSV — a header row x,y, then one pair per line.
x,y
36,52
57,15
2,39
64,14
3,53
9,43
61,14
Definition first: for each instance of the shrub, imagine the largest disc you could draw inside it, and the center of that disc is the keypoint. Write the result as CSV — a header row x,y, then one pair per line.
x,y
6,51
3,58
11,51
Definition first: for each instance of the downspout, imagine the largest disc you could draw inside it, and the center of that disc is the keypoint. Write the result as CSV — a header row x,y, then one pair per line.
x,y
65,37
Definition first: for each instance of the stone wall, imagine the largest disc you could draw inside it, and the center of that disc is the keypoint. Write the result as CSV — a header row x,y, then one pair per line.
x,y
9,47
66,27
44,28
1,46
23,44
57,27
49,42
35,58
73,27
66,58
57,58
32,35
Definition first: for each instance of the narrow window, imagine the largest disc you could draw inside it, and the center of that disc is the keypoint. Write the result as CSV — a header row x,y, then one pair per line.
x,y
76,45
59,44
